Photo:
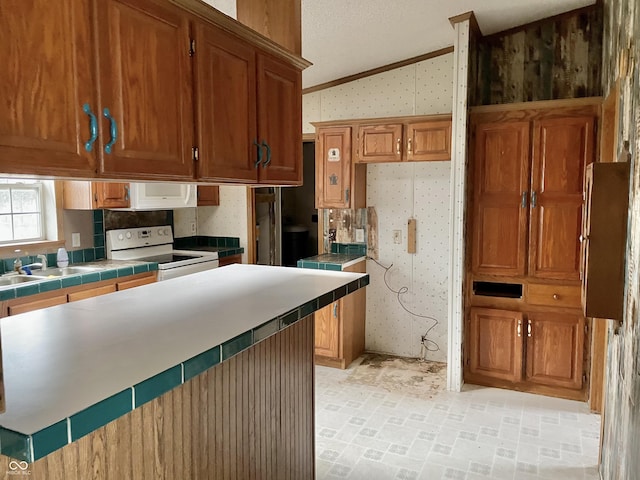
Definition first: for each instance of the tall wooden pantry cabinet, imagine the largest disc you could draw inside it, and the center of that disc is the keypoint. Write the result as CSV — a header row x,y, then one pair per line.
x,y
525,329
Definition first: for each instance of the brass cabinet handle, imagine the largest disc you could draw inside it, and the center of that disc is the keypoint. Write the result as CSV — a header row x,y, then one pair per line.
x,y
519,328
556,296
523,201
398,142
409,149
528,328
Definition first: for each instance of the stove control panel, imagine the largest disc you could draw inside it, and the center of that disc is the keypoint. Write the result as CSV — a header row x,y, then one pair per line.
x,y
127,238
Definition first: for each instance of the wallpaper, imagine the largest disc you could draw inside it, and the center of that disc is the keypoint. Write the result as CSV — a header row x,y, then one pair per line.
x,y
395,192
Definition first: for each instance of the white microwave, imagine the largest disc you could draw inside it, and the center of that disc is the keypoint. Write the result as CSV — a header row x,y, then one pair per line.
x,y
162,196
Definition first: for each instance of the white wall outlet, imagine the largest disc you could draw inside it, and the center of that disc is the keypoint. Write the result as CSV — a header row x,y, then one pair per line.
x,y
359,234
397,236
193,227
75,239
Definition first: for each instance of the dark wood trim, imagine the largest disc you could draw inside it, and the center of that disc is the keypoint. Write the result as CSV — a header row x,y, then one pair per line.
x,y
473,22
376,71
554,18
211,15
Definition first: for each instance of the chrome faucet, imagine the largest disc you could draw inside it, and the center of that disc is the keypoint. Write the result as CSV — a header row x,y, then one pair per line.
x,y
42,265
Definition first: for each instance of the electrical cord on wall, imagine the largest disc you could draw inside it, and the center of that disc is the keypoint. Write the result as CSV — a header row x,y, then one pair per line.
x,y
427,344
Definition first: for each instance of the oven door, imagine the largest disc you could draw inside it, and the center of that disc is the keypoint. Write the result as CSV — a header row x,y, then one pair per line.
x,y
168,273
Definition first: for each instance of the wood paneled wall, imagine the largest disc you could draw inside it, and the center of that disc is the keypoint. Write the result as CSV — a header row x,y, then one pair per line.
x,y
248,418
555,58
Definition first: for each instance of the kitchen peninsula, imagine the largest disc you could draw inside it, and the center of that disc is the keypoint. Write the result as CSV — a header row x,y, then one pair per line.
x,y
211,372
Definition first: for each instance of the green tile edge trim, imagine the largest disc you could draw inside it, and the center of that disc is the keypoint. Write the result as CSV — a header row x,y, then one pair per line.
x,y
30,448
101,413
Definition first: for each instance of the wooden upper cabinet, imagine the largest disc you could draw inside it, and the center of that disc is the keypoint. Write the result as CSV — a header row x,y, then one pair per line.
x,y
146,105
561,149
380,143
111,194
279,121
279,20
47,80
501,178
333,167
429,141
495,347
208,195
426,139
604,239
87,195
554,349
226,106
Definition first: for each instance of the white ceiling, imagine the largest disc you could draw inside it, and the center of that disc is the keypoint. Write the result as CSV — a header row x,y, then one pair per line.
x,y
344,37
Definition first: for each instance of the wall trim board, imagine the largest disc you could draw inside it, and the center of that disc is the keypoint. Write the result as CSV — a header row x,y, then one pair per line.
x,y
387,120
308,137
458,202
378,70
471,17
538,105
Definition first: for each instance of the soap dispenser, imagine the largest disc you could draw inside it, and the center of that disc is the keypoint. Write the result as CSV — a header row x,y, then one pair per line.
x,y
17,263
62,259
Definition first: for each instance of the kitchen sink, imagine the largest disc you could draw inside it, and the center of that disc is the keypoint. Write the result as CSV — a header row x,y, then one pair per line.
x,y
17,280
65,271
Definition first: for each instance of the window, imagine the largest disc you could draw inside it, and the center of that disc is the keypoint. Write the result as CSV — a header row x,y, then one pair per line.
x,y
21,212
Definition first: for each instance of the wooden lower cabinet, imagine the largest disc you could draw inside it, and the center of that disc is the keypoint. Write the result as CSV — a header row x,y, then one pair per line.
x,y
229,260
72,294
93,292
554,350
339,327
495,345
539,352
327,330
36,304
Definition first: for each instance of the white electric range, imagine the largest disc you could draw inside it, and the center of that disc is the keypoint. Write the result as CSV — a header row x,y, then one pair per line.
x,y
155,244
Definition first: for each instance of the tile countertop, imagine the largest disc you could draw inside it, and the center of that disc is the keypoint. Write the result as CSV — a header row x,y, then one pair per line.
x,y
73,368
222,251
330,261
108,269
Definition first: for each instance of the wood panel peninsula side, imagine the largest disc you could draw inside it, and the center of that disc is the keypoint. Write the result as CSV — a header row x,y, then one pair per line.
x,y
216,381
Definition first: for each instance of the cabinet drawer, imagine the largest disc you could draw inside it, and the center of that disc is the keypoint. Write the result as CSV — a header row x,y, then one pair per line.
x,y
554,295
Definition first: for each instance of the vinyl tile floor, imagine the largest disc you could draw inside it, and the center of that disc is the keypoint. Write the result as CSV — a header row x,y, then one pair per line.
x,y
368,428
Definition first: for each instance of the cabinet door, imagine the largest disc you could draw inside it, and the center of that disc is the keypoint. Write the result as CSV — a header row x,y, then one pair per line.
x,y
333,167
554,349
495,344
500,185
429,141
111,195
379,143
226,106
561,149
30,306
47,78
146,85
327,328
279,121
208,195
92,292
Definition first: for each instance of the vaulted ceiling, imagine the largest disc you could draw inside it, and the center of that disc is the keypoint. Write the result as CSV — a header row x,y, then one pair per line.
x,y
344,37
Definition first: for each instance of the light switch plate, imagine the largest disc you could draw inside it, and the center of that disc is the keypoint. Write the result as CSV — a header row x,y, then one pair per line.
x,y
360,235
75,239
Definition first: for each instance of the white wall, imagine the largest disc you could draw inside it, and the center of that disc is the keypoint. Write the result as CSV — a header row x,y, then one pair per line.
x,y
227,220
398,192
